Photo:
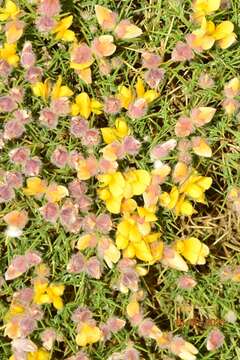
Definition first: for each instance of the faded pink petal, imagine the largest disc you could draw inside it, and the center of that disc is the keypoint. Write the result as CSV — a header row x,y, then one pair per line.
x,y
162,150
23,345
151,60
231,106
59,156
49,7
14,179
16,94
81,54
5,69
81,314
205,81
78,127
13,129
215,339
60,107
112,105
77,188
76,263
182,52
32,167
50,212
84,203
131,354
186,282
153,77
22,116
131,145
19,155
45,23
7,104
24,296
91,138
115,324
33,258
28,58
6,193
34,74
106,166
16,268
184,127
93,267
48,118
73,159
48,337
137,109
104,223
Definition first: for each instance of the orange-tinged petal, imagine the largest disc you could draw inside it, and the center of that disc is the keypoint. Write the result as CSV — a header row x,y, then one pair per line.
x,y
105,17
180,172
103,46
200,147
202,115
126,30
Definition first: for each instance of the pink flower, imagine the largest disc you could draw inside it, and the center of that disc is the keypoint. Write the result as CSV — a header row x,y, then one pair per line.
x,y
184,127
205,81
16,94
14,179
7,104
22,346
105,67
48,118
34,74
150,60
91,138
60,107
50,212
19,155
138,109
28,57
93,267
69,217
13,129
48,337
77,188
131,354
215,339
106,166
182,52
22,116
153,77
24,296
78,127
81,314
81,54
6,193
49,7
17,267
5,68
84,203
231,106
32,167
186,282
59,156
45,23
73,159
79,356
146,327
104,223
33,258
112,105
162,150
130,145
76,263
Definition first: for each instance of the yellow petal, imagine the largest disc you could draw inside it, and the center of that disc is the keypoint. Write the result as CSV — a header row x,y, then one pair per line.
x,y
227,41
108,135
180,172
151,95
143,251
68,35
125,95
85,75
224,29
194,251
84,103
140,88
122,129
133,308
125,31
96,106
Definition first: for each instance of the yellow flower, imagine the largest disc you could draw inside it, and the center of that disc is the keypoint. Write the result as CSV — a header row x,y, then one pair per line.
x,y
61,29
137,181
47,294
40,354
59,91
55,193
206,36
8,53
127,96
112,134
115,182
193,250
88,334
9,11
202,8
35,186
84,106
41,89
195,187
148,214
113,203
